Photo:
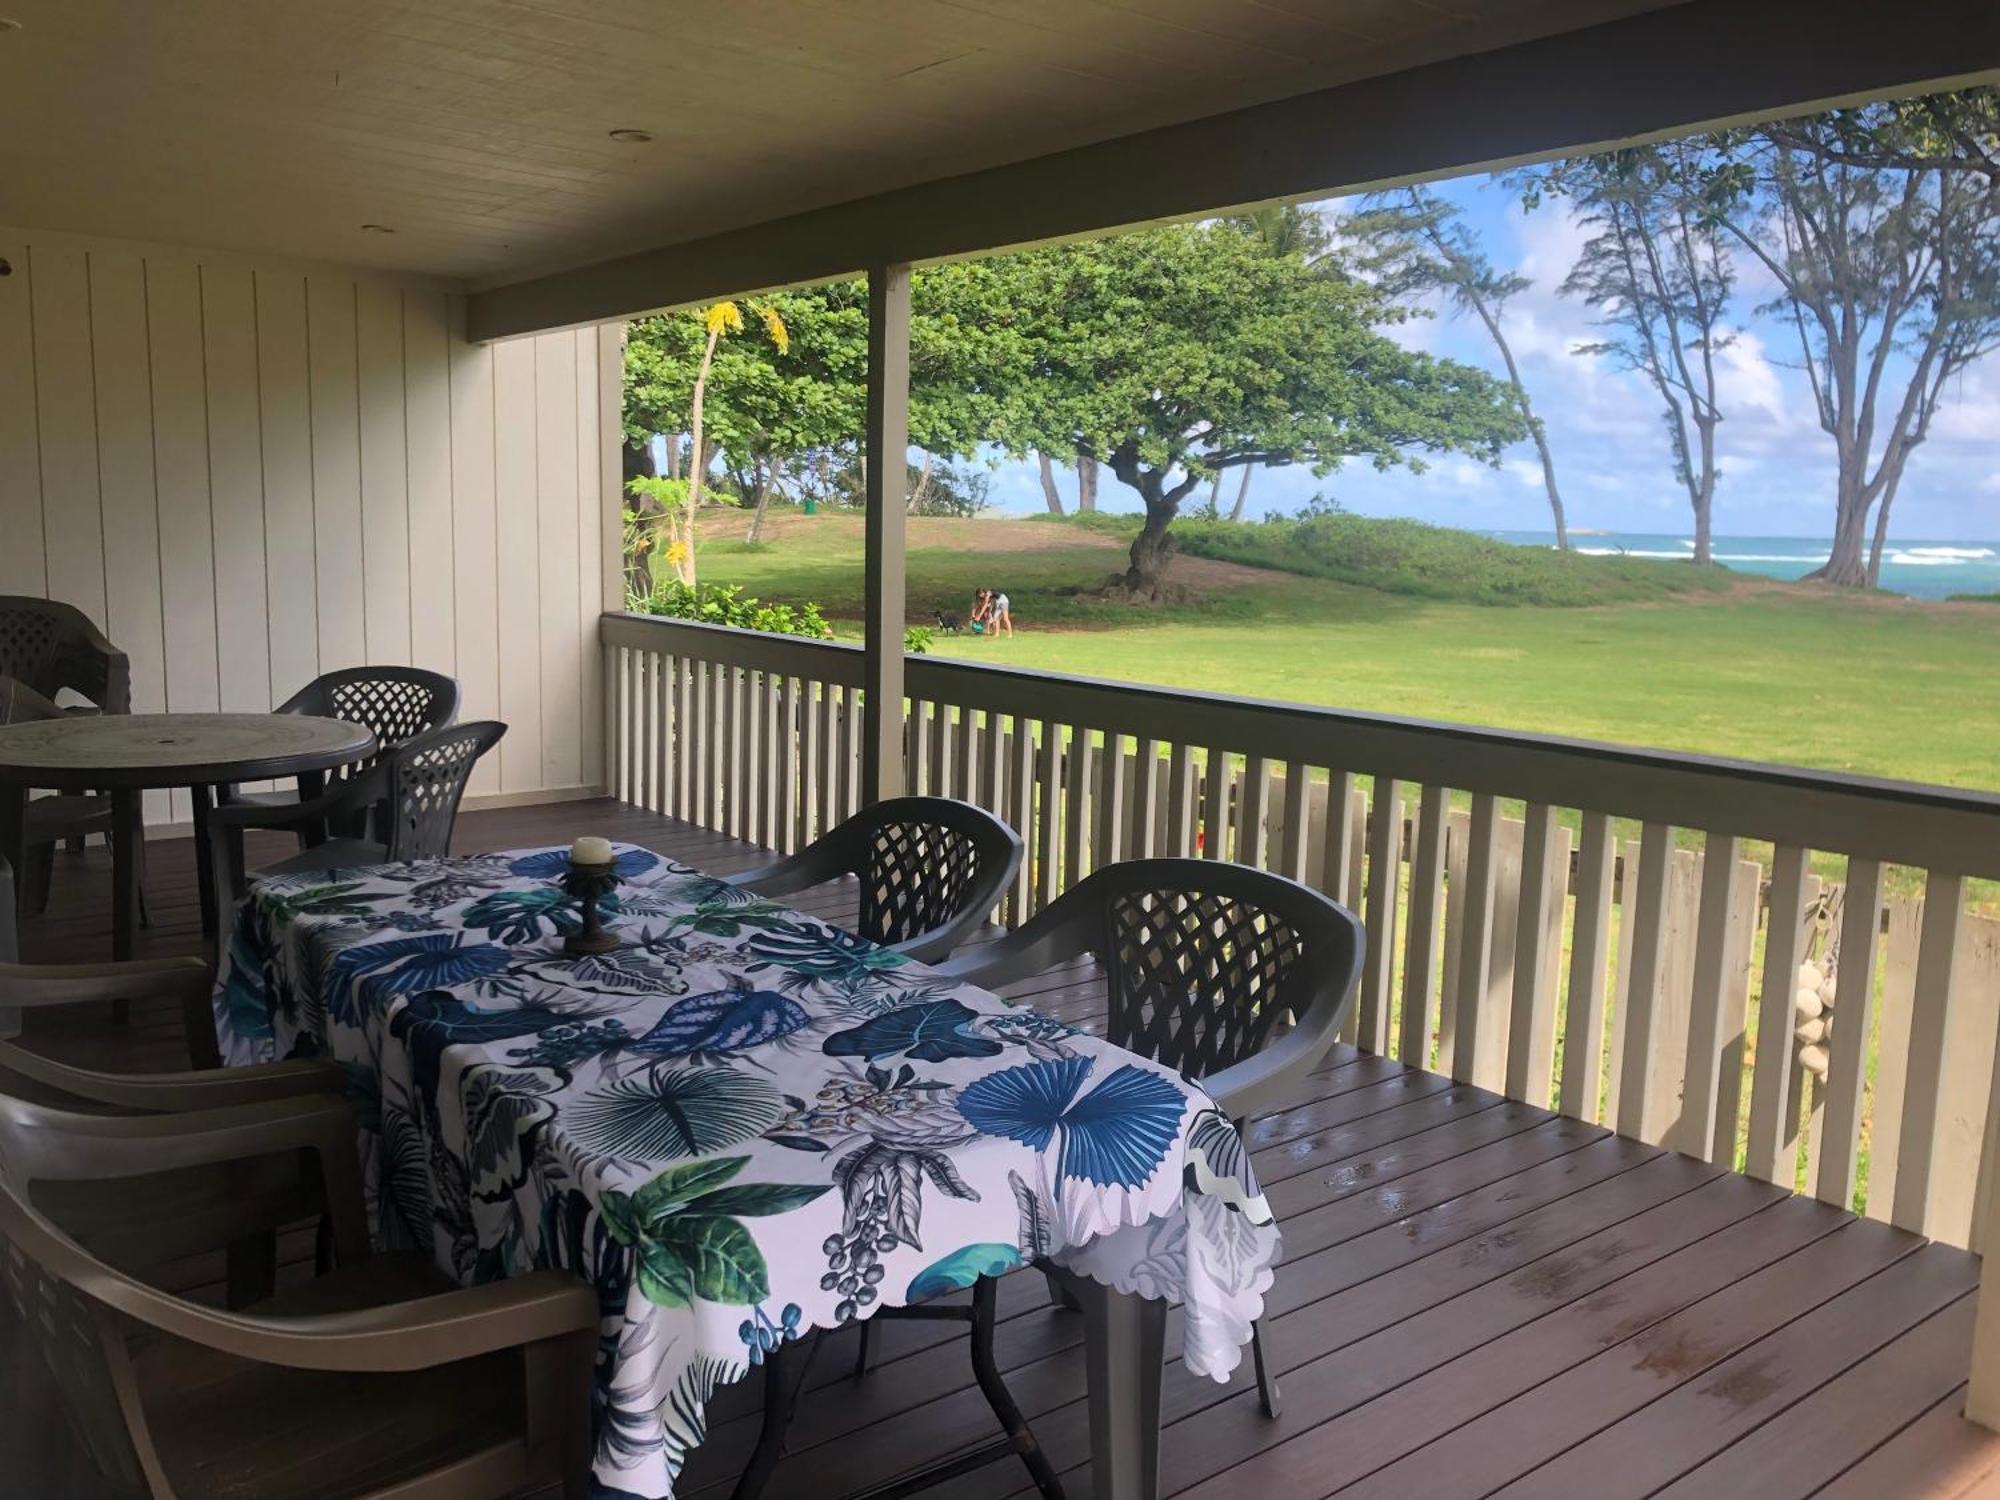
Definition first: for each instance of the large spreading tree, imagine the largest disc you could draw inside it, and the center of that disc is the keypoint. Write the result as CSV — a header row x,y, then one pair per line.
x,y
1657,271
1413,243
1173,355
1881,227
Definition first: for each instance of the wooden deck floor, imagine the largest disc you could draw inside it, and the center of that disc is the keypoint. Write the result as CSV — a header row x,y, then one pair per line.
x,y
1478,1299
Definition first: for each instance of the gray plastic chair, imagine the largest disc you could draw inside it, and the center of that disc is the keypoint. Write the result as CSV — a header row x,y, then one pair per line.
x,y
1237,977
420,783
395,703
464,1394
52,646
932,869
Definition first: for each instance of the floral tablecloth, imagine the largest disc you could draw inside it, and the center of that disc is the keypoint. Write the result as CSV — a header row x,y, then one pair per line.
x,y
741,1125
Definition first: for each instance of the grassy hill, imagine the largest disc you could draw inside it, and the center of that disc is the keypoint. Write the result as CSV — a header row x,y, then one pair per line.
x,y
1645,652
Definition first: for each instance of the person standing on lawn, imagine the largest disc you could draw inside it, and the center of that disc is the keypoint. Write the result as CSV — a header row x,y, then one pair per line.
x,y
998,613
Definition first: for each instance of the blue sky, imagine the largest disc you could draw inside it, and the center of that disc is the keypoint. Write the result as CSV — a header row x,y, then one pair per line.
x,y
1605,430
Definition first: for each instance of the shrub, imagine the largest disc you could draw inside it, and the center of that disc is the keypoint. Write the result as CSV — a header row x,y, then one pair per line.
x,y
724,604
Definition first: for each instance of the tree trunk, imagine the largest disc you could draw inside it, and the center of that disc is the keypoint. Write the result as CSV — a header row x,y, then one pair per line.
x,y
637,463
1086,481
1049,491
1242,495
1881,542
1549,479
922,487
1845,564
765,475
1151,549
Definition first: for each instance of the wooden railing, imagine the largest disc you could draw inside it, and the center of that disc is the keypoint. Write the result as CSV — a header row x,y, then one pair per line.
x,y
1613,932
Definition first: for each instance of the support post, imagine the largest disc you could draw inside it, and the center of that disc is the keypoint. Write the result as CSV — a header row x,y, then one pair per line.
x,y
888,448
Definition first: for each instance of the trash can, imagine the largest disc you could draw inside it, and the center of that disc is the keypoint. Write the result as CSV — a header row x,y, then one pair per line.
x,y
811,507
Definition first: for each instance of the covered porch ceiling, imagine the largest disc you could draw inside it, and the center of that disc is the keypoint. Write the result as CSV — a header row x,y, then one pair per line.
x,y
792,139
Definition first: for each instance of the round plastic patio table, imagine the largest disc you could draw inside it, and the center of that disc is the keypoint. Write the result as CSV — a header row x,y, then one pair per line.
x,y
126,754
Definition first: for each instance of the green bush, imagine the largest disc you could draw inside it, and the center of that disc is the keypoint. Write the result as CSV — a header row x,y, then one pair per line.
x,y
724,604
1414,558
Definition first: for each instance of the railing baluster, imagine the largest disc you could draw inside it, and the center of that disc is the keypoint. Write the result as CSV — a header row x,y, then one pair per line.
x,y
963,758
1338,815
1182,789
1108,846
681,772
1923,1202
1648,926
993,759
1421,948
1385,866
1077,781
1695,1132
1590,950
1021,802
1048,815
1215,810
1774,1106
632,724
1146,800
942,755
1298,811
1253,837
1531,1029
1853,1016
1476,943
1745,890
788,765
831,772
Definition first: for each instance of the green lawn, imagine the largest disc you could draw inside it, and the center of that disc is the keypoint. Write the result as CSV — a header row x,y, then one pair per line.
x,y
1766,672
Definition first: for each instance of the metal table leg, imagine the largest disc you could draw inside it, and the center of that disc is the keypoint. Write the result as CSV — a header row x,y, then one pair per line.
x,y
1125,1344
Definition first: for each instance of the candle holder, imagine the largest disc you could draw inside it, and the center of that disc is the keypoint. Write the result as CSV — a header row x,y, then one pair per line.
x,y
591,884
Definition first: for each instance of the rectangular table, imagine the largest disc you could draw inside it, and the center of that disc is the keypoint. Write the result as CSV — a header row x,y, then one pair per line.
x,y
743,1124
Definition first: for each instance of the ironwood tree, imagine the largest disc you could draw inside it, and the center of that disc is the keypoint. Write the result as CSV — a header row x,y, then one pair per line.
x,y
1881,227
1657,270
1414,244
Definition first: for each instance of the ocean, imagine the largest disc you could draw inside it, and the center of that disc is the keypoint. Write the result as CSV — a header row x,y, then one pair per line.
x,y
1924,570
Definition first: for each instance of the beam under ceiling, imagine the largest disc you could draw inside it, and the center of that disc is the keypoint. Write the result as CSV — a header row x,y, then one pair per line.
x,y
1702,62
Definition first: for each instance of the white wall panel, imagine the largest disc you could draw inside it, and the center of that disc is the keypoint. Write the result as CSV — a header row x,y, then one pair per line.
x,y
23,564
254,472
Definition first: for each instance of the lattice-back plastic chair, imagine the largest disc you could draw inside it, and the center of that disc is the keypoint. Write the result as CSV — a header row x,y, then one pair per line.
x,y
932,869
466,1394
1235,976
51,646
65,817
421,783
395,703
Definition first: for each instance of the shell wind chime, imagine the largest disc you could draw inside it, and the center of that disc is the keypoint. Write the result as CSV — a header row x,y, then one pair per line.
x,y
1812,1003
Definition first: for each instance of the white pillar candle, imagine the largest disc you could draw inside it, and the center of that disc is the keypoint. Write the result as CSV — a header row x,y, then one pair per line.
x,y
591,851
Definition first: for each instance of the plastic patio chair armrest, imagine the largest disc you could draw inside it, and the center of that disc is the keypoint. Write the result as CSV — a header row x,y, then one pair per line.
x,y
173,1093
813,865
344,796
35,986
398,1337
938,945
1054,937
1247,1087
101,1147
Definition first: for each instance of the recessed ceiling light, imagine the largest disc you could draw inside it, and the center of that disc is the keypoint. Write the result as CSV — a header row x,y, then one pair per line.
x,y
378,228
632,137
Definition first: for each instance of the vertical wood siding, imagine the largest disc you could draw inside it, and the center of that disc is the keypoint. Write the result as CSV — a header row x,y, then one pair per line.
x,y
248,474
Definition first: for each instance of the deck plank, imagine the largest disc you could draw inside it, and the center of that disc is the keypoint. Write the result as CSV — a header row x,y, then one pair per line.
x,y
1475,1294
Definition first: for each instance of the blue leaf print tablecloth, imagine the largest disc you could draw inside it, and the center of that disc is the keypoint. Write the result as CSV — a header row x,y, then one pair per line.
x,y
741,1125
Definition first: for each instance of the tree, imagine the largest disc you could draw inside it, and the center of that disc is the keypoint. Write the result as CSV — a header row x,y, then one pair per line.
x,y
1413,244
1172,354
1881,227
1656,269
